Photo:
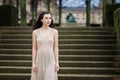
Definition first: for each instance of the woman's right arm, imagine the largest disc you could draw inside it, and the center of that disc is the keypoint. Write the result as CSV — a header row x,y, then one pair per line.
x,y
34,51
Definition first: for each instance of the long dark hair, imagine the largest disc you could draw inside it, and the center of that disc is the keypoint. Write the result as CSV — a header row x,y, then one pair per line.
x,y
38,23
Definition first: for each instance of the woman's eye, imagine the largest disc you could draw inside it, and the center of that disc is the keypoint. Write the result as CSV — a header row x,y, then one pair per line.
x,y
48,18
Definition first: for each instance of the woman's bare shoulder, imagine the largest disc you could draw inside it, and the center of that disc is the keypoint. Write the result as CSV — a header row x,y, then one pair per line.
x,y
55,30
34,31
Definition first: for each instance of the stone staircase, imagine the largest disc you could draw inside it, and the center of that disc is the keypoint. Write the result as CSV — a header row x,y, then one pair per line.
x,y
85,53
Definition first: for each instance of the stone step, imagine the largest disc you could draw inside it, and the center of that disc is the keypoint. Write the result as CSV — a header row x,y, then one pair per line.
x,y
61,46
107,64
15,28
21,76
87,36
59,28
62,41
63,70
88,70
63,63
62,57
84,53
63,51
63,32
88,57
87,77
27,36
87,41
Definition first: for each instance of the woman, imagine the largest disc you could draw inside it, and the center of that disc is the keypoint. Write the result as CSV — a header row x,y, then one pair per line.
x,y
45,62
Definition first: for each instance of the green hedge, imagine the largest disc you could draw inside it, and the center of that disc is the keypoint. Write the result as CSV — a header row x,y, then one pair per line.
x,y
110,8
117,23
8,15
117,27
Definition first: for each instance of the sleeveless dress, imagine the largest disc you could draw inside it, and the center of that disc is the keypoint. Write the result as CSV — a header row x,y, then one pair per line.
x,y
45,60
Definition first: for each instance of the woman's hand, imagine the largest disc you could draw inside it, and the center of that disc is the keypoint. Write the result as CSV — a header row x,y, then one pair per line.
x,y
34,68
57,67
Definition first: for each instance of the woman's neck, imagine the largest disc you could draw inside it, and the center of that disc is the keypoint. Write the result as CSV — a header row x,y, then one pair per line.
x,y
45,27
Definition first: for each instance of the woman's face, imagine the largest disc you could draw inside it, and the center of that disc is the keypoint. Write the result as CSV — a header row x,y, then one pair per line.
x,y
46,19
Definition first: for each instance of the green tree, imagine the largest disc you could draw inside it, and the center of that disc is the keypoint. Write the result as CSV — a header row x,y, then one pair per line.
x,y
17,5
60,11
104,2
88,12
48,1
10,2
23,12
4,1
113,1
33,4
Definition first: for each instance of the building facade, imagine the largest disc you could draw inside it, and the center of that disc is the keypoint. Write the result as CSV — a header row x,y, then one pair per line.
x,y
79,12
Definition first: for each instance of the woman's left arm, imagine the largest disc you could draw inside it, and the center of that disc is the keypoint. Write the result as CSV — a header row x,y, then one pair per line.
x,y
56,52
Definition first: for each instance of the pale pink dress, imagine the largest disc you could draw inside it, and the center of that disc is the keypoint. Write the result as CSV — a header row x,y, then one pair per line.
x,y
45,60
